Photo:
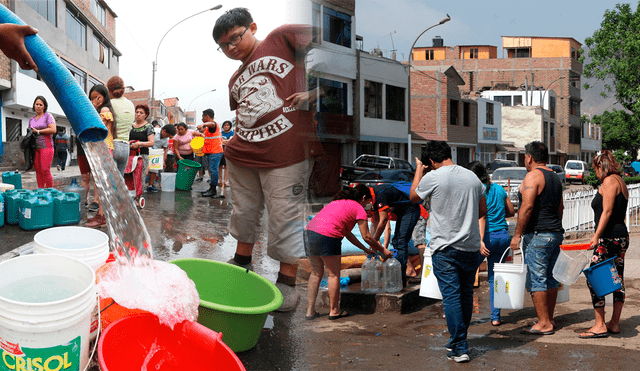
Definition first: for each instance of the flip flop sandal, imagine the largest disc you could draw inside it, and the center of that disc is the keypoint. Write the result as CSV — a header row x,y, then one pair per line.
x,y
530,331
314,316
594,335
342,314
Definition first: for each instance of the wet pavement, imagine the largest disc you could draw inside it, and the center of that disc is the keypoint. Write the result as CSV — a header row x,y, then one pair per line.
x,y
183,224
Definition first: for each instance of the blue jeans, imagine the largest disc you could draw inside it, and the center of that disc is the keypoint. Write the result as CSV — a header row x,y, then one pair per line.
x,y
456,272
541,250
121,155
405,224
62,159
497,242
214,161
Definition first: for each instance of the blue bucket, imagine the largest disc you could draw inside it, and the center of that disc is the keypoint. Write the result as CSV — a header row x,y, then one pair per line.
x,y
603,278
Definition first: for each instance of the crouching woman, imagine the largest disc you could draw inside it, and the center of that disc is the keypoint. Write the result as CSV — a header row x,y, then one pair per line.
x,y
323,238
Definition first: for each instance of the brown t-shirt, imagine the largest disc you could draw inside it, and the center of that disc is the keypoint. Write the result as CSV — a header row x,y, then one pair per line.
x,y
269,134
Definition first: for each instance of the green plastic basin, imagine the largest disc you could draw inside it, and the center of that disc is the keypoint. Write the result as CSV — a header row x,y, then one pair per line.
x,y
233,300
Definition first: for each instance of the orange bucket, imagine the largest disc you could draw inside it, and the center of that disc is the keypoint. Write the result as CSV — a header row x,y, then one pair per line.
x,y
197,144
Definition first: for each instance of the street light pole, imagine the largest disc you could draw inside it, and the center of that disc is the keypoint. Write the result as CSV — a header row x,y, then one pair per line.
x,y
542,110
194,99
154,64
410,57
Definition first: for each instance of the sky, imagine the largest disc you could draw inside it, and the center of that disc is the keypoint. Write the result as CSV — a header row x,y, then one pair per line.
x,y
189,66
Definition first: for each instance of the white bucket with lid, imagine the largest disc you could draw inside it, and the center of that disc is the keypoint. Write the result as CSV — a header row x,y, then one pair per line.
x,y
509,284
86,244
429,283
168,182
45,312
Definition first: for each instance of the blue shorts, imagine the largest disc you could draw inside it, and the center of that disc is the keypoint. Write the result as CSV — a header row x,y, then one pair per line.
x,y
316,244
541,250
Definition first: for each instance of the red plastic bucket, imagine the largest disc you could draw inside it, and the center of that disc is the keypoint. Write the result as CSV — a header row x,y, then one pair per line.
x,y
130,342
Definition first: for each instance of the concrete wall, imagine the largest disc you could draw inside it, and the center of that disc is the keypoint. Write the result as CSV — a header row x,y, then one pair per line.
x,y
521,125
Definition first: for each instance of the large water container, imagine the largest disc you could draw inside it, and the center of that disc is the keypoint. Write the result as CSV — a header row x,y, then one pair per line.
x,y
11,198
1,210
36,212
12,177
365,277
75,188
374,275
392,274
66,208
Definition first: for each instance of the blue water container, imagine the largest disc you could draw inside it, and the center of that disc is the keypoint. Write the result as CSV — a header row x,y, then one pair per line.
x,y
1,210
12,177
11,198
66,208
36,212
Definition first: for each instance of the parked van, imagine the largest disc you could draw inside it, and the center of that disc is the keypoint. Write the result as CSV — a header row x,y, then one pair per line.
x,y
576,170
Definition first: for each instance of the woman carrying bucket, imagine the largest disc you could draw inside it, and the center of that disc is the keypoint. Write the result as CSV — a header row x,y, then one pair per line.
x,y
496,234
182,142
323,236
610,240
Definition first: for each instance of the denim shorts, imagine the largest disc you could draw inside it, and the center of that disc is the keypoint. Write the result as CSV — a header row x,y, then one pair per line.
x,y
316,244
541,250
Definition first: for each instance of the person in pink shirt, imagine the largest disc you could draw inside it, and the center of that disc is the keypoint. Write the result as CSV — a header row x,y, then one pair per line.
x,y
43,126
182,142
323,238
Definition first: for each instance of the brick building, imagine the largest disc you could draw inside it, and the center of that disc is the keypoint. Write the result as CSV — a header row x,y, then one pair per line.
x,y
440,112
528,63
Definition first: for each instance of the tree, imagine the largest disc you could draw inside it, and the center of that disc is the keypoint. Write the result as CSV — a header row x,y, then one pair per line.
x,y
614,50
619,131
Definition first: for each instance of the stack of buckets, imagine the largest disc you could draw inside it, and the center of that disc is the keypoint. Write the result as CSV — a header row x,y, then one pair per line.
x,y
42,208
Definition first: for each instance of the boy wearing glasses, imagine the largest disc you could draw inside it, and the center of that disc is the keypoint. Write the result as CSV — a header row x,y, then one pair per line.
x,y
269,157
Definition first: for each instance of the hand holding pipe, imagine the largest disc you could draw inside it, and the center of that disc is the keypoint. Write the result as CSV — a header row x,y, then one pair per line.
x,y
74,102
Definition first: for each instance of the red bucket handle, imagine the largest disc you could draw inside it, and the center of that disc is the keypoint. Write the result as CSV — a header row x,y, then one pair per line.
x,y
576,247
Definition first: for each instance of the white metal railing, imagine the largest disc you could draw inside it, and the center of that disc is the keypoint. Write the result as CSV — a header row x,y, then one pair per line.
x,y
578,214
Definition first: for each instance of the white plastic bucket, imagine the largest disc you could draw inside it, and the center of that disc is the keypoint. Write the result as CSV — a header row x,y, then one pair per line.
x,y
563,294
509,284
52,334
86,244
168,182
429,284
156,158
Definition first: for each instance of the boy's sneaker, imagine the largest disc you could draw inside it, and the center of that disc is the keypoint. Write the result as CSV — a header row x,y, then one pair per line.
x,y
290,297
459,358
93,207
199,178
246,266
152,189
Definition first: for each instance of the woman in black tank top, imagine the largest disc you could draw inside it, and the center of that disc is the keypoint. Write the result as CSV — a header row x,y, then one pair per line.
x,y
610,240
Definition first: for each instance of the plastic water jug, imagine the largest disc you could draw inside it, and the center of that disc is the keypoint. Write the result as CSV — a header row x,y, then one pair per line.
x,y
66,209
392,274
12,177
12,197
374,273
1,210
36,212
75,188
365,280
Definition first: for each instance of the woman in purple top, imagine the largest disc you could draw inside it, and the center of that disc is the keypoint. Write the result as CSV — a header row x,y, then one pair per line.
x,y
43,126
323,237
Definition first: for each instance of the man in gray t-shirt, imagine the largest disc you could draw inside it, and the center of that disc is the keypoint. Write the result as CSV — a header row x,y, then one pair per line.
x,y
457,218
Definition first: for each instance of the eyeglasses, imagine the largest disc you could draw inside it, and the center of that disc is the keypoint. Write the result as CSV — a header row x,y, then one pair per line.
x,y
233,42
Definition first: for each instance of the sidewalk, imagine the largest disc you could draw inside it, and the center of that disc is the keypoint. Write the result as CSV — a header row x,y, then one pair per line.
x,y
61,179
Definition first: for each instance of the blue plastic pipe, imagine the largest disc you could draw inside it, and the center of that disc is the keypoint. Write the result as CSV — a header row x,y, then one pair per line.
x,y
74,102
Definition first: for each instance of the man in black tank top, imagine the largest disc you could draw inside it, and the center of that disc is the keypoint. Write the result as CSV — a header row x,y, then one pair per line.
x,y
540,229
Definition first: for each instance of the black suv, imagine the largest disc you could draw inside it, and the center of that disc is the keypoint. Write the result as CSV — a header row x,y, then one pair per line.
x,y
493,165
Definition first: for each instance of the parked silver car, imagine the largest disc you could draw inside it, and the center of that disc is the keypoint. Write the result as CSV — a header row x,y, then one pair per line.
x,y
510,176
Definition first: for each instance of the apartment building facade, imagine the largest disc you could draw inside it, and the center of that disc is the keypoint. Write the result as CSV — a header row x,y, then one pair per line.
x,y
82,33
439,111
528,63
